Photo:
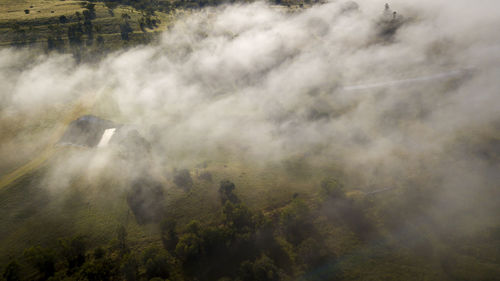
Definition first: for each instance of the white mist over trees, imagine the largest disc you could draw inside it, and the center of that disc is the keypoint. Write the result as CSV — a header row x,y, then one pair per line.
x,y
259,83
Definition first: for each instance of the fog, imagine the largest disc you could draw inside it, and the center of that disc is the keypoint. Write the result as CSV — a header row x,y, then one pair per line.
x,y
261,84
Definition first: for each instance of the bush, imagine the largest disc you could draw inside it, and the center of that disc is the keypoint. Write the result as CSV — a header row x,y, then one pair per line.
x,y
226,192
11,272
206,176
238,217
182,179
295,221
97,270
74,251
146,200
63,19
169,237
130,268
189,247
332,189
263,269
42,259
157,266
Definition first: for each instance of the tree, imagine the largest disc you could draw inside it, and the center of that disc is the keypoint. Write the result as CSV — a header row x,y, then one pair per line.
x,y
295,221
130,268
125,17
156,262
121,234
63,19
91,8
226,192
168,235
146,200
238,216
51,43
73,250
189,247
263,269
332,189
75,34
125,30
111,6
99,252
97,270
11,272
42,259
100,41
182,179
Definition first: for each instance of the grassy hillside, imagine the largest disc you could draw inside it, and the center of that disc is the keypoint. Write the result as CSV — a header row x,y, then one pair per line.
x,y
300,219
151,207
46,24
362,237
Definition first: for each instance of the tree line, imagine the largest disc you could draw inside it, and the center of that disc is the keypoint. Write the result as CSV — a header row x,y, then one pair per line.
x,y
245,245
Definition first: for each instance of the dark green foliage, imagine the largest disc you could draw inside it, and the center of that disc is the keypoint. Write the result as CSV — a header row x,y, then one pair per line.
x,y
111,4
100,41
91,8
238,217
12,271
263,269
226,192
295,221
73,251
338,207
99,252
147,21
121,234
313,256
20,37
41,259
63,19
310,253
182,179
189,247
125,30
54,40
156,262
169,237
51,43
332,189
130,268
206,176
75,34
98,269
146,200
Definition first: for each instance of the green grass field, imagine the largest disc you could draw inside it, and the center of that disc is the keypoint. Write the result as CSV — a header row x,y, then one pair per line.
x,y
43,21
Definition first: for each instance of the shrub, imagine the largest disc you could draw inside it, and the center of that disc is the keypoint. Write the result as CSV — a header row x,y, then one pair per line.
x,y
11,271
332,189
73,250
263,269
42,259
182,179
295,221
238,216
226,192
169,237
